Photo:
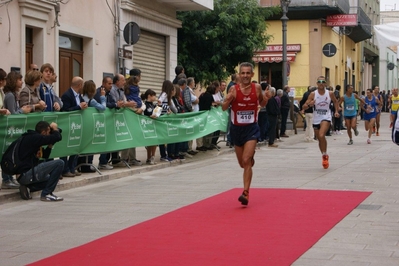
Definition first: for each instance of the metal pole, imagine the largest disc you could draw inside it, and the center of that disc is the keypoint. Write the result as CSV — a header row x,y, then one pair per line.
x,y
284,19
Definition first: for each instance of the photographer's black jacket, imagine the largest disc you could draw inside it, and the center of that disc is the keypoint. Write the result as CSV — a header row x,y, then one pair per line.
x,y
31,144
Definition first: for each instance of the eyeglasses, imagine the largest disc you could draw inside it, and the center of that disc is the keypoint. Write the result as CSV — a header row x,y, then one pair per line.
x,y
321,81
36,69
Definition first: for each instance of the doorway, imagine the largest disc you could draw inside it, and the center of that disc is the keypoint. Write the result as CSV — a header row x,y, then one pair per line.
x,y
70,60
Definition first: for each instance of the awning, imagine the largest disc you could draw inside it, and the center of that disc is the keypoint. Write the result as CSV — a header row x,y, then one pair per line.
x,y
270,57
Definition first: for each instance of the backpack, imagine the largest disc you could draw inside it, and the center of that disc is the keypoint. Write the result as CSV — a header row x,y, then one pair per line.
x,y
10,163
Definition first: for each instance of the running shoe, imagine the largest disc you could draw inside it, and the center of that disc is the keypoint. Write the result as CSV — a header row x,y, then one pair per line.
x,y
325,162
356,132
368,141
51,197
377,133
350,142
244,198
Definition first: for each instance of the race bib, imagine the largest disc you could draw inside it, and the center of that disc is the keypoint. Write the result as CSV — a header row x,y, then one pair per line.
x,y
350,107
245,117
321,112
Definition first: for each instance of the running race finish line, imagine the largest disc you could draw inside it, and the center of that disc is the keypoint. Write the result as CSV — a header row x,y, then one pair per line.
x,y
276,228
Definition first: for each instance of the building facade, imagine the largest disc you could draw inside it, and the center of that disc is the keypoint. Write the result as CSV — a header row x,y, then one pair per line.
x,y
389,56
86,38
327,47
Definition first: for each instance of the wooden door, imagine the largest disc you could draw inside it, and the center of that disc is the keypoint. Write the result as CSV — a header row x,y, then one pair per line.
x,y
71,65
28,56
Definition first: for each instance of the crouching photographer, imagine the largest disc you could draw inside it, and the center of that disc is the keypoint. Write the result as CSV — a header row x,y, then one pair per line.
x,y
37,174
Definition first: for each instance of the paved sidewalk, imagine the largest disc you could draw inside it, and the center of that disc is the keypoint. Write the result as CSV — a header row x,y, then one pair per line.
x,y
369,235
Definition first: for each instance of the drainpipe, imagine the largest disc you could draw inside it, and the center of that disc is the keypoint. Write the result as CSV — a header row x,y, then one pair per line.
x,y
117,35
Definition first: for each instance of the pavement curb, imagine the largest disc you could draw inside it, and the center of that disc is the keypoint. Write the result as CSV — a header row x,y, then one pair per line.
x,y
8,195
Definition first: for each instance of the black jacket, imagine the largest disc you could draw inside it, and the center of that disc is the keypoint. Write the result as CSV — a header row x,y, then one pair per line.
x,y
285,101
30,145
303,101
69,101
272,107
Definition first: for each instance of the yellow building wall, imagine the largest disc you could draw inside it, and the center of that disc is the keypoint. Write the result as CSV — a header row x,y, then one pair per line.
x,y
310,61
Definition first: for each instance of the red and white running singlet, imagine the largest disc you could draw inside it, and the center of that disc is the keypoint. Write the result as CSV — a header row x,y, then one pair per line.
x,y
244,109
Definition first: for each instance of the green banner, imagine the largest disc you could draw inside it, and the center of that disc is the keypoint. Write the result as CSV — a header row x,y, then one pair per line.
x,y
92,132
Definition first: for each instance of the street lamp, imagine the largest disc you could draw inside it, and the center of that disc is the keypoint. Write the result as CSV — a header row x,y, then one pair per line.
x,y
284,19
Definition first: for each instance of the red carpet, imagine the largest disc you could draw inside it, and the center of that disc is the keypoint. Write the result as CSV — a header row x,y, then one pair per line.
x,y
276,228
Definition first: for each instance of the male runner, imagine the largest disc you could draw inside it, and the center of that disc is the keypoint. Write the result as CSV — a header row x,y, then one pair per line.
x,y
350,112
244,98
320,100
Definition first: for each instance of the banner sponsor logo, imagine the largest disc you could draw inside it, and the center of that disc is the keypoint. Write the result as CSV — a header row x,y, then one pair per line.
x,y
99,132
172,129
147,127
14,129
122,132
75,130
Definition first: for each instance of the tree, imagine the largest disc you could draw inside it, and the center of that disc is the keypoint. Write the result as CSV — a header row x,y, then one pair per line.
x,y
212,43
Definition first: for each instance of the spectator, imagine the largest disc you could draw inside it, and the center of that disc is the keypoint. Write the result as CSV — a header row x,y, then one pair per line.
x,y
217,101
112,104
195,108
206,101
285,110
33,67
149,97
119,96
165,100
3,76
133,101
11,90
309,132
177,150
262,117
273,111
337,121
178,70
47,94
8,181
72,101
278,100
39,176
30,93
89,90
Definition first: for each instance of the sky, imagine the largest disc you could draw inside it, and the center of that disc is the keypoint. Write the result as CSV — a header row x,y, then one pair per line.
x,y
388,5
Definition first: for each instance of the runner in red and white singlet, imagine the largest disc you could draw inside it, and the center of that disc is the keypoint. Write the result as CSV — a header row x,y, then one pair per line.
x,y
244,99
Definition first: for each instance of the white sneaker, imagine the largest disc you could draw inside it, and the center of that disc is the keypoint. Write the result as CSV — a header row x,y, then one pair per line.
x,y
105,167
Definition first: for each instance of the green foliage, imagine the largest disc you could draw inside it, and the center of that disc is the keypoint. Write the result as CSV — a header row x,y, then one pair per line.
x,y
212,43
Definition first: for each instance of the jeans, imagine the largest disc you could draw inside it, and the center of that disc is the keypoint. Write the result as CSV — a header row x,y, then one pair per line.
x,y
173,149
70,163
46,177
263,125
162,150
309,132
104,158
272,128
284,117
6,177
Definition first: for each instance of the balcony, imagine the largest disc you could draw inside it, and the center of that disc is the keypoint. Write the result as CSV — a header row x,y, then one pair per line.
x,y
362,31
310,9
189,5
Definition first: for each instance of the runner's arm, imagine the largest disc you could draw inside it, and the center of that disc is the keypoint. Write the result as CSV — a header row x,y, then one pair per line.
x,y
310,102
229,98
